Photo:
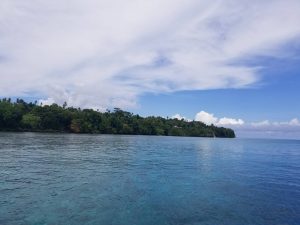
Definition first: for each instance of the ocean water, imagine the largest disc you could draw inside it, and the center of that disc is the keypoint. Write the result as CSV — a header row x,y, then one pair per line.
x,y
104,179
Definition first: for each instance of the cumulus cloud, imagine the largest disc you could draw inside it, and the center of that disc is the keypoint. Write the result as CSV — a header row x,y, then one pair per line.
x,y
209,118
100,53
230,121
206,118
178,116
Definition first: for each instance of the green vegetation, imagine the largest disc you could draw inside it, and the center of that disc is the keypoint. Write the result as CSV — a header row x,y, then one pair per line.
x,y
23,116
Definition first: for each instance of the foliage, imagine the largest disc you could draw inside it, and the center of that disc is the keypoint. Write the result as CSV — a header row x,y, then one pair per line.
x,y
23,116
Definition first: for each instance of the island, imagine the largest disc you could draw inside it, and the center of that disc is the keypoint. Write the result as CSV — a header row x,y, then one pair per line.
x,y
25,116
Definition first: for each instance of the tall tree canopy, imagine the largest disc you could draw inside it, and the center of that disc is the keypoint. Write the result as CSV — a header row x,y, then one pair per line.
x,y
23,116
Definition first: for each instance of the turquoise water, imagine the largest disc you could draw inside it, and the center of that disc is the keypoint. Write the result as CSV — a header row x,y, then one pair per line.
x,y
104,179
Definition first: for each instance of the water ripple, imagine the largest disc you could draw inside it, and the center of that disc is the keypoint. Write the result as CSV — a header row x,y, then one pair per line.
x,y
106,179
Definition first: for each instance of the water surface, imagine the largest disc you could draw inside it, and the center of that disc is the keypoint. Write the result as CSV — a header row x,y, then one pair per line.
x,y
104,179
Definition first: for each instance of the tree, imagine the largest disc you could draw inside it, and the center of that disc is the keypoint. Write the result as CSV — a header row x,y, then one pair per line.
x,y
31,121
20,115
75,126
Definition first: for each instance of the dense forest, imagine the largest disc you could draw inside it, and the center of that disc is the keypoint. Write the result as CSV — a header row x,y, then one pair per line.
x,y
22,116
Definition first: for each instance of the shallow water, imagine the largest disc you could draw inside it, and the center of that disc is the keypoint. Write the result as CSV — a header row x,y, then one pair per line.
x,y
105,179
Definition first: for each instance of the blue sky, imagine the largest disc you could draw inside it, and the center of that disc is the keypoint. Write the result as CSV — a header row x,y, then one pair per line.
x,y
232,63
275,97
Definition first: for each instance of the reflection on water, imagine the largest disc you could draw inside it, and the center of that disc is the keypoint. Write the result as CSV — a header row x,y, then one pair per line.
x,y
106,179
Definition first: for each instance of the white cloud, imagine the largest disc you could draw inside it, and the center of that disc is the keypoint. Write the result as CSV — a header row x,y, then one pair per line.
x,y
261,129
48,101
209,118
206,118
267,125
100,53
178,116
265,128
294,122
261,123
230,121
281,129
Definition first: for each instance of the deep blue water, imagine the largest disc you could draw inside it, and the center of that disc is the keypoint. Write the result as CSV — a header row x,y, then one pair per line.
x,y
103,179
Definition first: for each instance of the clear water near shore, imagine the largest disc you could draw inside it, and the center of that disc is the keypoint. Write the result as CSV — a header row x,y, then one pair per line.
x,y
109,179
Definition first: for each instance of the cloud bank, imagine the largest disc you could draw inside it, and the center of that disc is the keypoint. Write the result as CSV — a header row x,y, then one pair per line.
x,y
283,130
267,129
100,53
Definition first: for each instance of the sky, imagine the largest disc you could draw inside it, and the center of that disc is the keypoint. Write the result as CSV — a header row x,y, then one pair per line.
x,y
233,63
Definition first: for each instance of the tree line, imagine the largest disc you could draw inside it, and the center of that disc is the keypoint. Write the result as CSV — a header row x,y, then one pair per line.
x,y
29,116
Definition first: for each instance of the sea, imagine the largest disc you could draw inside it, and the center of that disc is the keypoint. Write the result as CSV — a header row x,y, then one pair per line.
x,y
78,179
